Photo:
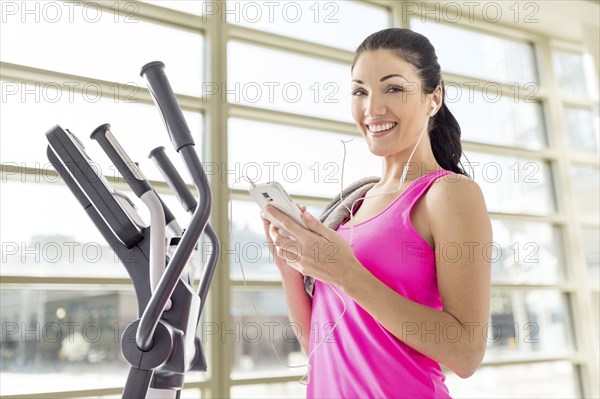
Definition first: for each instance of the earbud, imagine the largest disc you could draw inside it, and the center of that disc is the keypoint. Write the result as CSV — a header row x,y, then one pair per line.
x,y
433,105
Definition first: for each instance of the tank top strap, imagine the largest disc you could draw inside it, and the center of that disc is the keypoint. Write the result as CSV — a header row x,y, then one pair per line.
x,y
422,185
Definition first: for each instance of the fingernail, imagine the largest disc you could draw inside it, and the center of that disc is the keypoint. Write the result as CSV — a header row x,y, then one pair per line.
x,y
262,215
307,216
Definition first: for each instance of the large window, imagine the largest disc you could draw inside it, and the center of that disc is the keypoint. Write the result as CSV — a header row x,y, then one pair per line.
x,y
265,90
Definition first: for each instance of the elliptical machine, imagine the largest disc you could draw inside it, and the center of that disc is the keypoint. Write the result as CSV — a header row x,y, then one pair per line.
x,y
161,345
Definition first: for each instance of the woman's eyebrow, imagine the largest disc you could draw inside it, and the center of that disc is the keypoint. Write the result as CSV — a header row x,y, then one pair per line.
x,y
386,77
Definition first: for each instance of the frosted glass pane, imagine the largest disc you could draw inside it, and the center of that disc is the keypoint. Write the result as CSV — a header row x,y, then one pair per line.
x,y
341,24
479,55
259,391
251,335
493,119
285,81
63,340
590,238
570,72
527,253
30,110
63,241
538,380
585,181
526,324
86,40
581,129
511,184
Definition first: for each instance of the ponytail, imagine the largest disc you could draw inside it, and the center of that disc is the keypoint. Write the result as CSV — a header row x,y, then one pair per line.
x,y
444,135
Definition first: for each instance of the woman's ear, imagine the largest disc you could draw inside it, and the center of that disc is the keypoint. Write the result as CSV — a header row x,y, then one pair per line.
x,y
433,109
438,98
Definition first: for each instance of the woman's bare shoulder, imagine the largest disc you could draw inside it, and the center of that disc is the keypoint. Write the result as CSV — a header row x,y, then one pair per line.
x,y
456,195
455,187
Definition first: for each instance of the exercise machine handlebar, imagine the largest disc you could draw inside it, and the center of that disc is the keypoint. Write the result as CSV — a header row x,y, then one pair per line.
x,y
183,142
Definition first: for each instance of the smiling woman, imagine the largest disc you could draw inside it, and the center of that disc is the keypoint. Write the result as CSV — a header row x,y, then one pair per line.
x,y
389,305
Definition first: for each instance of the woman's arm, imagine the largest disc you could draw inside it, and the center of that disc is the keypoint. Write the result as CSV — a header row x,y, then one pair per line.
x,y
454,336
299,304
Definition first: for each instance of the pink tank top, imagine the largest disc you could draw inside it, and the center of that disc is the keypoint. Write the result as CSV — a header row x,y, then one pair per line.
x,y
361,359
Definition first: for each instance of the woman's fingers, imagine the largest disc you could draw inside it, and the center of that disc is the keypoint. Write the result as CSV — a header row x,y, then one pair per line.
x,y
281,247
270,234
285,246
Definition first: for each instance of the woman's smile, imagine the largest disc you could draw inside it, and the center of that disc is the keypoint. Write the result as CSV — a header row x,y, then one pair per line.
x,y
380,129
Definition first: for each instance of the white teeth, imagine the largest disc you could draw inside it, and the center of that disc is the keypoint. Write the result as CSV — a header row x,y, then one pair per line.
x,y
381,128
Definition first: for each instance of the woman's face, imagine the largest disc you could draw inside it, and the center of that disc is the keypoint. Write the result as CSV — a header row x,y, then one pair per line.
x,y
388,106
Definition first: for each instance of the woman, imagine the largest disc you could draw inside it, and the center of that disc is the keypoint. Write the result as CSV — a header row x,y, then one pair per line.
x,y
409,272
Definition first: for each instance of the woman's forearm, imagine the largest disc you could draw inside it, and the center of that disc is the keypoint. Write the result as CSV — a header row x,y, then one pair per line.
x,y
298,302
457,344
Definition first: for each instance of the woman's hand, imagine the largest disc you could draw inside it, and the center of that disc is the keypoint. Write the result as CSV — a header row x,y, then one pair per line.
x,y
318,251
270,234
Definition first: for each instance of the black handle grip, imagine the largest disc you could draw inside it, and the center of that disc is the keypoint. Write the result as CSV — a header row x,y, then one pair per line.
x,y
128,169
164,98
173,178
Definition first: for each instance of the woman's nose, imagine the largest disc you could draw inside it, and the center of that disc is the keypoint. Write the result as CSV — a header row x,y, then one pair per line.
x,y
374,107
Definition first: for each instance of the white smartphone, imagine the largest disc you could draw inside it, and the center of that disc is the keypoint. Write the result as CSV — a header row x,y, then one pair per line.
x,y
274,194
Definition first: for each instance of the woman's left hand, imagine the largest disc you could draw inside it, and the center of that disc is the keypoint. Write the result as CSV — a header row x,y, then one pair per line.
x,y
318,251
